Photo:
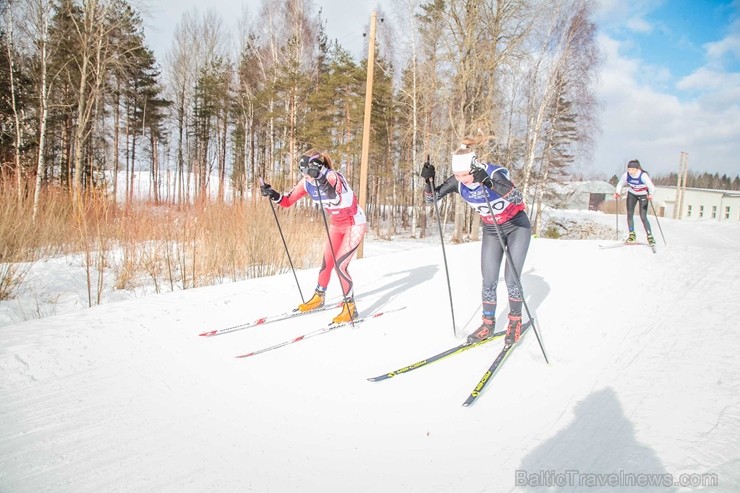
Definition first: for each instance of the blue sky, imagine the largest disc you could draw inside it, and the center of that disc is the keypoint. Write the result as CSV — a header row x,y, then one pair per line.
x,y
674,33
669,81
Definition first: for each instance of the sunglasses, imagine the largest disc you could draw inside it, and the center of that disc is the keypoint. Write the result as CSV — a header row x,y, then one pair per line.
x,y
307,161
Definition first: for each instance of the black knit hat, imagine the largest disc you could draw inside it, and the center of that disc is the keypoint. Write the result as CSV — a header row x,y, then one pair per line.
x,y
634,164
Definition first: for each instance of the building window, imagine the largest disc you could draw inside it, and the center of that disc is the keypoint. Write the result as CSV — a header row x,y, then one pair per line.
x,y
701,211
688,212
714,212
727,212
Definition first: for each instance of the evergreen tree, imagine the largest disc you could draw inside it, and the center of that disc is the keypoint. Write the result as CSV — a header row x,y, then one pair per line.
x,y
335,117
210,113
245,117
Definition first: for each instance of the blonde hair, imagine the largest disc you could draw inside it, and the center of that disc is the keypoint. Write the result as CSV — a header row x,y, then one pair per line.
x,y
471,142
323,157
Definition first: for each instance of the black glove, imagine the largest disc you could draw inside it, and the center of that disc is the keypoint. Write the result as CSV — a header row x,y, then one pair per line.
x,y
514,196
499,184
267,191
314,170
481,176
427,172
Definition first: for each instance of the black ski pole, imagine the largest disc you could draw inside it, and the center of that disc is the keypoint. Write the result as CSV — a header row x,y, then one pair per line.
x,y
658,222
510,261
444,254
616,215
262,182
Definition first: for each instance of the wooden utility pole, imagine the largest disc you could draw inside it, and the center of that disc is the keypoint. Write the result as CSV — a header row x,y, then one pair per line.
x,y
366,124
683,171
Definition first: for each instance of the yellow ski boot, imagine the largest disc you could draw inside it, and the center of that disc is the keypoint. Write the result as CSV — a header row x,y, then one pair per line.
x,y
316,301
348,313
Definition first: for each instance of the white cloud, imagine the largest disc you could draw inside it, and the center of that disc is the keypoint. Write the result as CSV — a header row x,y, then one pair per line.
x,y
618,14
638,24
729,47
706,79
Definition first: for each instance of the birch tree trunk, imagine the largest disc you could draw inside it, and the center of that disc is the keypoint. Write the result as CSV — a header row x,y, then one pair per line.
x,y
14,106
41,15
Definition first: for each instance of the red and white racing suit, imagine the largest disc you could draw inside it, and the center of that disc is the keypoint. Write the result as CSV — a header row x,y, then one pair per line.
x,y
347,224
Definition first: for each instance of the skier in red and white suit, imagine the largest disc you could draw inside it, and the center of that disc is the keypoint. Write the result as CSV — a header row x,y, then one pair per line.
x,y
347,226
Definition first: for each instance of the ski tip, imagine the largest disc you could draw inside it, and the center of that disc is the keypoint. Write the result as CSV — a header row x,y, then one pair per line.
x,y
208,334
244,355
380,378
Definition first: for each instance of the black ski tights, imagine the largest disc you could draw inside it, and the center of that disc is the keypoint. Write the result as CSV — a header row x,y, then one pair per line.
x,y
632,200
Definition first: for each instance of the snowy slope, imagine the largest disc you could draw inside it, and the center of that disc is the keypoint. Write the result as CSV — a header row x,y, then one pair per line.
x,y
644,378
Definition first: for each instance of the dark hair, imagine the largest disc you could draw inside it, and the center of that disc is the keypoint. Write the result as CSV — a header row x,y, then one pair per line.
x,y
634,163
316,156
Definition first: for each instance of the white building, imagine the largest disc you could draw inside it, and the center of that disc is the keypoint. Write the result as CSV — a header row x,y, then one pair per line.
x,y
699,203
580,195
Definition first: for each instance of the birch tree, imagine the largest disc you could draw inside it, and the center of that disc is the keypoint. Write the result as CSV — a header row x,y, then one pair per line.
x,y
14,100
477,38
181,70
566,56
37,28
91,61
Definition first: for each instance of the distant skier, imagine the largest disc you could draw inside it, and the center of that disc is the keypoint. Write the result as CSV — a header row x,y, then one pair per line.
x,y
641,189
475,181
347,225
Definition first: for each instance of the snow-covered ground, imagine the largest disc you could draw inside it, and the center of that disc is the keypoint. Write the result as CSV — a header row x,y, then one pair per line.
x,y
643,383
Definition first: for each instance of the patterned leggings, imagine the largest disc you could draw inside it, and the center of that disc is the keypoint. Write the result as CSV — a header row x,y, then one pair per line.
x,y
343,243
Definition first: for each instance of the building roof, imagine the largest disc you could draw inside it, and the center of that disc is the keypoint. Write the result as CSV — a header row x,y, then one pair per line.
x,y
592,186
726,193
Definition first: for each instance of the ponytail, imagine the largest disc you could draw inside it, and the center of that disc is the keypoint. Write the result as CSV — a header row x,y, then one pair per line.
x,y
316,155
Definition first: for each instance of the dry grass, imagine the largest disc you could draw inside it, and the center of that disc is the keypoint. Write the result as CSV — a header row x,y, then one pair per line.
x,y
169,247
22,240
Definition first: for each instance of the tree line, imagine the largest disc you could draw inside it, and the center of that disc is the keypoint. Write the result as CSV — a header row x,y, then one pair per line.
x,y
86,106
711,181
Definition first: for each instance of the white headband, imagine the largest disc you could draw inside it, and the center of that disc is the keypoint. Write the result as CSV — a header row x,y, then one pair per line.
x,y
462,162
